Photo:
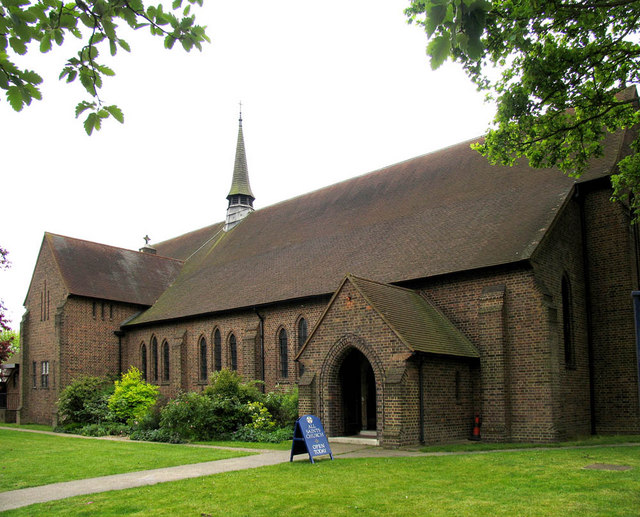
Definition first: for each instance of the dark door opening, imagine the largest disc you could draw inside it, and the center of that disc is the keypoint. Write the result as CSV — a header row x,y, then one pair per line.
x,y
358,393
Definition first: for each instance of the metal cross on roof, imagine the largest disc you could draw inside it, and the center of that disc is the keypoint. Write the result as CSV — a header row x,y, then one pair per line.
x,y
146,240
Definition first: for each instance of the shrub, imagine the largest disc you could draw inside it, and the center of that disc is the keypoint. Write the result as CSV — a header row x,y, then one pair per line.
x,y
105,429
283,406
199,417
156,435
227,384
84,401
277,435
132,397
261,419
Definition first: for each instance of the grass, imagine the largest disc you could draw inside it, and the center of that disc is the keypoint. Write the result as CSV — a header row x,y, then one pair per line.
x,y
283,446
33,459
522,483
34,427
482,446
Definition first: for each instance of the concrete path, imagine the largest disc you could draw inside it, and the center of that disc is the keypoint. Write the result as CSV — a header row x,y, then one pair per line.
x,y
42,494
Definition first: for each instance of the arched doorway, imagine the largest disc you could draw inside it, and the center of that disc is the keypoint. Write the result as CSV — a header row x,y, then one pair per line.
x,y
358,393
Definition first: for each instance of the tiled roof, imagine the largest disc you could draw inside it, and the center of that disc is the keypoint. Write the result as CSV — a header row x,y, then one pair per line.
x,y
100,271
438,213
414,319
184,246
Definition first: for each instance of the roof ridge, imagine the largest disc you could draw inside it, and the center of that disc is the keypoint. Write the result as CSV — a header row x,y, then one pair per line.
x,y
384,284
369,173
109,246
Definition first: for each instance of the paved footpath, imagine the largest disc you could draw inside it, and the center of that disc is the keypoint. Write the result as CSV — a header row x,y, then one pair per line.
x,y
42,494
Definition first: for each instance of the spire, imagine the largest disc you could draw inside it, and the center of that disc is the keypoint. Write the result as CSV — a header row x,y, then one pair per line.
x,y
240,182
240,196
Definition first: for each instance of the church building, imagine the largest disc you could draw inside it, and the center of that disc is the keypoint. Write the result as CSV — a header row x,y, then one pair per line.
x,y
403,303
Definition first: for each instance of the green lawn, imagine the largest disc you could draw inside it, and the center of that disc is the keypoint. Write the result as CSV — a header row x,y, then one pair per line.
x,y
522,483
283,446
33,459
470,446
34,427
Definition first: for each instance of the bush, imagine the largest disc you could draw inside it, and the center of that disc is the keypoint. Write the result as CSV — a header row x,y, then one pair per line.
x,y
73,428
132,397
156,435
227,384
151,419
84,401
199,417
261,419
249,434
283,406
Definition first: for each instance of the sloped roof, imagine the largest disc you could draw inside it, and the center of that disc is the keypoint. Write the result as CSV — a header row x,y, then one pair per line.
x,y
438,213
183,246
100,271
417,322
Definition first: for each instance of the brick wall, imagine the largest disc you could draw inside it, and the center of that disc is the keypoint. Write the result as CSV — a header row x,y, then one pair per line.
x,y
40,340
88,344
560,256
613,275
185,336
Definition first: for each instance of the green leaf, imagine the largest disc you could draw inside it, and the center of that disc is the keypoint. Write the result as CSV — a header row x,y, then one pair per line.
x,y
124,45
169,41
45,43
105,70
82,107
90,123
58,36
14,96
435,16
187,44
439,49
176,4
116,113
18,45
31,77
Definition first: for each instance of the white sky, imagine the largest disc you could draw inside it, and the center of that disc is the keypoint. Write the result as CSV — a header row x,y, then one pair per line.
x,y
329,91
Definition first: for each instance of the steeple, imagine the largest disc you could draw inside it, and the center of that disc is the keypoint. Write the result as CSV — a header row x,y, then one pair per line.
x,y
240,196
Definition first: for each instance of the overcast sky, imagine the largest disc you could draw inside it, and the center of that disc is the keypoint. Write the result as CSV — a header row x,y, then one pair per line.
x,y
329,91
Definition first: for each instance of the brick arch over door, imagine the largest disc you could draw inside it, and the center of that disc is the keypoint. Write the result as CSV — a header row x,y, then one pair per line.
x,y
330,389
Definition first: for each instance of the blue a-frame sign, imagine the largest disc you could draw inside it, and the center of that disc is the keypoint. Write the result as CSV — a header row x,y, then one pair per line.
x,y
309,437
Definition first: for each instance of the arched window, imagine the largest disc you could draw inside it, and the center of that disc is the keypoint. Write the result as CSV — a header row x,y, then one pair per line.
x,y
165,361
154,358
217,350
567,317
203,359
233,352
284,355
143,361
302,337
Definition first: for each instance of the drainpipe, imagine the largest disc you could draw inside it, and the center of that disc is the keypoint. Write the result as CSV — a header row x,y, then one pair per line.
x,y
261,318
420,395
587,289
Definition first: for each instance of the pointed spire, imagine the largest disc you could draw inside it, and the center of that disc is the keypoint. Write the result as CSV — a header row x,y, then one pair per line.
x,y
240,196
240,182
